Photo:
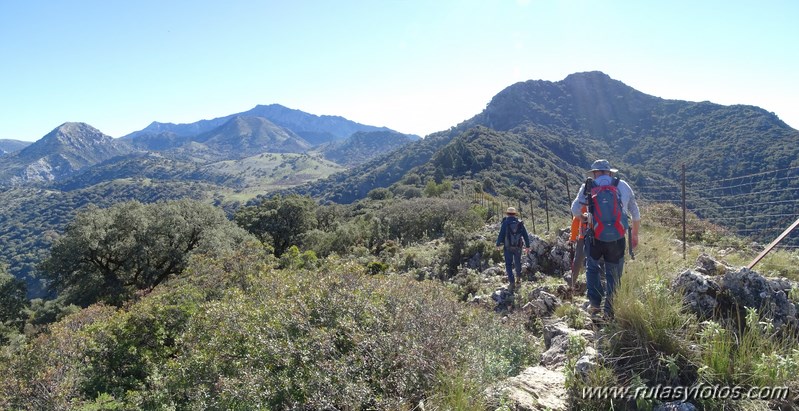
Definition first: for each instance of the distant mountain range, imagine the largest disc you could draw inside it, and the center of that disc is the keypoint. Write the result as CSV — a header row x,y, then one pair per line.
x,y
533,143
535,140
534,132
10,146
73,147
312,128
227,161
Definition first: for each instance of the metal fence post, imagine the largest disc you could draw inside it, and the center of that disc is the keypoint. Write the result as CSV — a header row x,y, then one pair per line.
x,y
684,238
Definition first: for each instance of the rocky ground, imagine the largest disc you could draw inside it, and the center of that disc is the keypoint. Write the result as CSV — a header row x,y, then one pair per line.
x,y
709,289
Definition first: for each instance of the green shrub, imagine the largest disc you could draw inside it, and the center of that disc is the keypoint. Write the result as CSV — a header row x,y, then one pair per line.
x,y
234,333
425,222
376,267
572,314
379,194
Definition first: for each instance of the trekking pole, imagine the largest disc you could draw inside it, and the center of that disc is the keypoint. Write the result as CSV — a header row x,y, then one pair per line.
x,y
572,253
630,242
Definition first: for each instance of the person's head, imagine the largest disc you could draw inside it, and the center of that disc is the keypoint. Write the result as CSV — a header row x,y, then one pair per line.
x,y
511,212
601,167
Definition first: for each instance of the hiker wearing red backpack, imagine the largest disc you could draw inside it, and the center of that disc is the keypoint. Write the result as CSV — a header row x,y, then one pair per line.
x,y
610,202
514,238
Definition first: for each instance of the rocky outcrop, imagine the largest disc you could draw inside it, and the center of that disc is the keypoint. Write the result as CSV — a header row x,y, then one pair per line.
x,y
536,388
700,292
542,387
542,303
715,290
548,258
557,337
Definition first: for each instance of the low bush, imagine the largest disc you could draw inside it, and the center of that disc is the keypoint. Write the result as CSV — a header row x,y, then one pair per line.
x,y
236,333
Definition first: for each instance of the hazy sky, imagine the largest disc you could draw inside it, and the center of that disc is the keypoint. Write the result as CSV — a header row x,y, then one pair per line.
x,y
416,66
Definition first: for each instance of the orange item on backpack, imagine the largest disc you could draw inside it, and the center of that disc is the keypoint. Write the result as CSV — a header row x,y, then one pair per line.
x,y
576,230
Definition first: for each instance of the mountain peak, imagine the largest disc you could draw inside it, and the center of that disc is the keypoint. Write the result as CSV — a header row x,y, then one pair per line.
x,y
250,135
588,75
70,136
68,148
75,127
595,81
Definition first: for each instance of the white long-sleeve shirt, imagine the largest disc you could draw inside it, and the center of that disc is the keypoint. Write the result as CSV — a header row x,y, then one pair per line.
x,y
628,203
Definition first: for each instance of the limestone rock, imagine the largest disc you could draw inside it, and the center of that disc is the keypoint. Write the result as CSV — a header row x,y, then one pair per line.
x,y
536,388
734,291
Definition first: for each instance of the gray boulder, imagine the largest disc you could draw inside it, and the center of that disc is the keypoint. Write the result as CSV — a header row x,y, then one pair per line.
x,y
557,337
730,293
699,292
747,288
542,304
586,363
493,272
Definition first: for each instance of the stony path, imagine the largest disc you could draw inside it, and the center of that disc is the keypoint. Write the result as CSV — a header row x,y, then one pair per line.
x,y
542,387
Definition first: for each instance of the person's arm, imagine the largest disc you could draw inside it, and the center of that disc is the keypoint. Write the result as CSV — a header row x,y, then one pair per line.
x,y
636,224
631,207
501,236
578,202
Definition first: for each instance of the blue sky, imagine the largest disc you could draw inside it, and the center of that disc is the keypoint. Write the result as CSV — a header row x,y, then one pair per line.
x,y
414,66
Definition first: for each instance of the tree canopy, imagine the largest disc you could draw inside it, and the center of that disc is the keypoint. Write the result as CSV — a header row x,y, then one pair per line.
x,y
108,254
279,220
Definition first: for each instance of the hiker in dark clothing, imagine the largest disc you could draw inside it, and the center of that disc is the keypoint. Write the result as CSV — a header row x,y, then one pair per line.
x,y
514,238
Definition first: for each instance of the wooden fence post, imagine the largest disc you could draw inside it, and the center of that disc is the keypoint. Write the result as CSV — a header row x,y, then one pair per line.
x,y
546,206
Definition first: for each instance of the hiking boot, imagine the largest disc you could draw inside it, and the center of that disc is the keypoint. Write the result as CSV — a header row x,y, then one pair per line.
x,y
511,288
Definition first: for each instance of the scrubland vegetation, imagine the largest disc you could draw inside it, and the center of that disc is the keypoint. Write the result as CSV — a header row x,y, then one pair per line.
x,y
364,306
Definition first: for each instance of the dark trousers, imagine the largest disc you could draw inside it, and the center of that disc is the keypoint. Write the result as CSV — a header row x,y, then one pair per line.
x,y
613,254
513,259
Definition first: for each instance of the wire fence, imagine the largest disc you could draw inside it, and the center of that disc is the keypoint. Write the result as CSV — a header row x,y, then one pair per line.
x,y
757,206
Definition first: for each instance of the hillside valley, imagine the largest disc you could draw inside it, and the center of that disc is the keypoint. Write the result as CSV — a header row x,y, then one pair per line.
x,y
274,259
530,147
227,161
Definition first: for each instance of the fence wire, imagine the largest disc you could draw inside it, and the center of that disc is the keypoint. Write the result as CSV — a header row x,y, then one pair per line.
x,y
737,203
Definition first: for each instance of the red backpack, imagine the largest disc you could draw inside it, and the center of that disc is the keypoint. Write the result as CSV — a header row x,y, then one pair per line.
x,y
610,222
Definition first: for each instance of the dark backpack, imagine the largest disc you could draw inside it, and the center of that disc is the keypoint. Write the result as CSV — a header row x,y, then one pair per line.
x,y
513,235
610,222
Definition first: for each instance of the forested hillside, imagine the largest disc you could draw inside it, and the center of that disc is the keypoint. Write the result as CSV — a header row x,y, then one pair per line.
x,y
226,161
33,217
539,136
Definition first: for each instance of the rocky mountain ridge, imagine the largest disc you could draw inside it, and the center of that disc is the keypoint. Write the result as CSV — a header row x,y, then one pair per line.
x,y
314,129
72,147
65,150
